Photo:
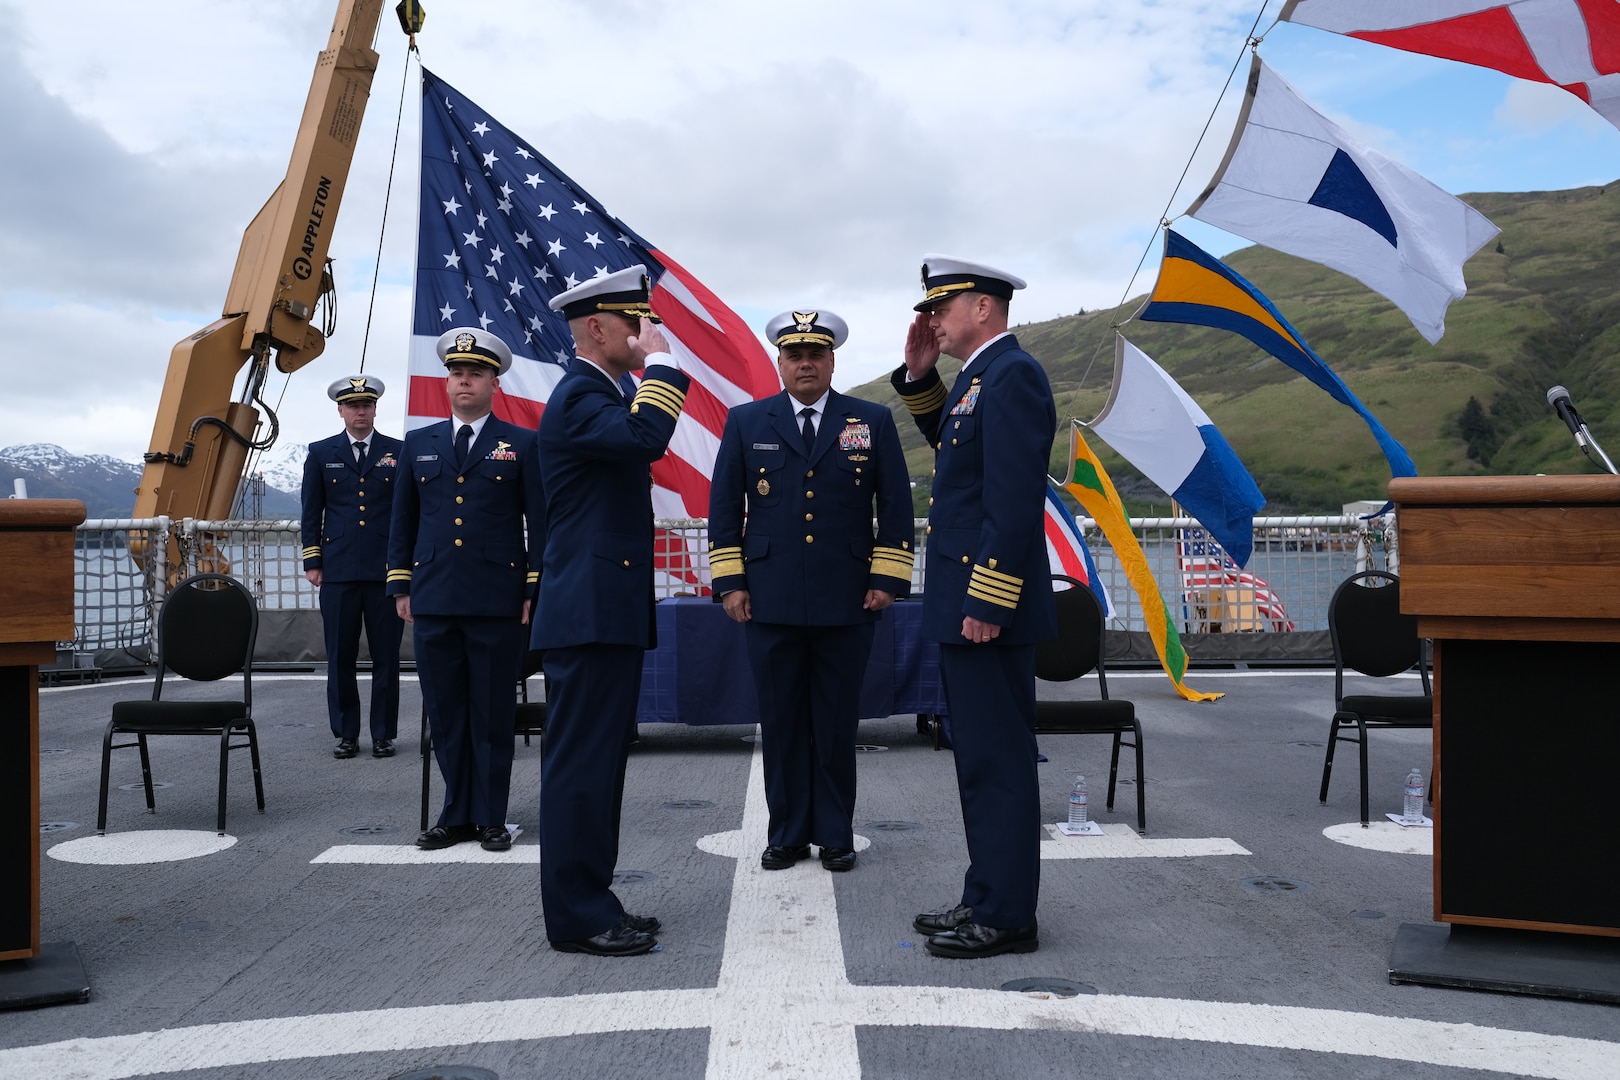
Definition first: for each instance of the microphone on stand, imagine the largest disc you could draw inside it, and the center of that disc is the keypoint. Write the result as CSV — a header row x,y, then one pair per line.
x,y
1558,398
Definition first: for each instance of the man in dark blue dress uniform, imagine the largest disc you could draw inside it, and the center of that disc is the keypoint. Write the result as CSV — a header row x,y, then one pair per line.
x,y
988,598
348,496
595,619
459,570
793,556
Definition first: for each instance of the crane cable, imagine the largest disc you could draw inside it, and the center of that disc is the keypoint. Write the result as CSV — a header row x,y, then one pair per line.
x,y
410,51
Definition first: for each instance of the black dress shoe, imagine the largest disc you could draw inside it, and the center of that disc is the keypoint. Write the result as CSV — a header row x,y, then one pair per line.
x,y
382,748
837,859
642,924
443,836
346,748
937,922
494,838
622,940
780,858
971,941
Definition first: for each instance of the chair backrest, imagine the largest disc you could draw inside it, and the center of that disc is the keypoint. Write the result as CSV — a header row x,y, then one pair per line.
x,y
207,629
1078,648
1369,633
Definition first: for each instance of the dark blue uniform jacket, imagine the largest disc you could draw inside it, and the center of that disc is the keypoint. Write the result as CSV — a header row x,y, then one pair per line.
x,y
805,550
347,507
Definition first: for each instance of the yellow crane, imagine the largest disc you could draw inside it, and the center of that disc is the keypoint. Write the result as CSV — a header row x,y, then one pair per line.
x,y
202,434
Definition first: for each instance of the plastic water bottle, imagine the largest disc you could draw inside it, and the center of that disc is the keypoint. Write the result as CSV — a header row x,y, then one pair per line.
x,y
1412,813
1078,800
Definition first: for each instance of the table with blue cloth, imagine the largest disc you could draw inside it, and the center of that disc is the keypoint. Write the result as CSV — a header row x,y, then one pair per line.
x,y
699,673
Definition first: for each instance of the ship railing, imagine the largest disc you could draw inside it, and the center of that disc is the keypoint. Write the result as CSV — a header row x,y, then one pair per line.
x,y
1295,565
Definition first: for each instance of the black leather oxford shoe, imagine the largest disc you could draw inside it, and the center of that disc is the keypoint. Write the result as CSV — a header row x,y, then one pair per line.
x,y
346,748
622,940
382,748
780,858
937,922
443,836
837,859
642,924
494,838
970,941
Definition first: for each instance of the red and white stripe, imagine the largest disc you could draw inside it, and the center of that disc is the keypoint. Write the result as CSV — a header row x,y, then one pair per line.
x,y
1574,44
1204,572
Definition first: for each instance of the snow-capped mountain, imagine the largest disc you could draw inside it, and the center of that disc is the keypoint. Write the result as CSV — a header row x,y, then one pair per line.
x,y
106,485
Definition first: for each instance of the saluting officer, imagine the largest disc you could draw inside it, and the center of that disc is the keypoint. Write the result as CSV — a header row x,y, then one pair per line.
x,y
459,570
988,599
348,497
595,620
794,557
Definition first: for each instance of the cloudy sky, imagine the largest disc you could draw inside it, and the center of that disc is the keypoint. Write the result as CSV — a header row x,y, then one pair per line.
x,y
787,154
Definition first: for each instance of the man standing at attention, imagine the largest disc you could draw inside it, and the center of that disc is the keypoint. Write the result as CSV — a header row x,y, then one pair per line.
x,y
595,620
988,599
802,569
458,570
348,496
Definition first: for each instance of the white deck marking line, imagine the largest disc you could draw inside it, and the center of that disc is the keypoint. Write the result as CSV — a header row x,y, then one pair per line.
x,y
1383,836
1120,841
784,960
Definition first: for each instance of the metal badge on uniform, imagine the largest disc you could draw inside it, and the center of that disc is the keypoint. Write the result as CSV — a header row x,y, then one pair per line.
x,y
767,446
969,400
763,487
502,452
855,437
856,457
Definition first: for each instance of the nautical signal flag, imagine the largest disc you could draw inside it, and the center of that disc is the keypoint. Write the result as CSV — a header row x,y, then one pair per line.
x,y
1088,482
501,230
1294,181
1574,44
1155,425
1066,550
1196,288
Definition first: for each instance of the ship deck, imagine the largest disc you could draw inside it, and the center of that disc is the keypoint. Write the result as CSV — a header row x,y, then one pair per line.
x,y
1239,936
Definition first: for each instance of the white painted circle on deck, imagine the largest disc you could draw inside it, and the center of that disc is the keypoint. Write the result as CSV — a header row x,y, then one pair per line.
x,y
1383,836
142,846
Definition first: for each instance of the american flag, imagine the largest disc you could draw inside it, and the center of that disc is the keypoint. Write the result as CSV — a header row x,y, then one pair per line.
x,y
501,231
1205,567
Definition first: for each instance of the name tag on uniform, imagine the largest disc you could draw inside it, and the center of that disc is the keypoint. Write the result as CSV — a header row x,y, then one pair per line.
x,y
427,457
336,465
969,400
767,446
855,437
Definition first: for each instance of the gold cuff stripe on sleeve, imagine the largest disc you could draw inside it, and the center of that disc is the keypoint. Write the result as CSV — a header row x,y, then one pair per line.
x,y
730,566
533,577
985,573
902,554
667,401
980,588
653,388
312,552
892,568
399,575
926,402
997,587
999,601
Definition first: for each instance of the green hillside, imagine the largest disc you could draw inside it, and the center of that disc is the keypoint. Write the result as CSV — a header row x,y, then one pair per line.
x,y
1543,307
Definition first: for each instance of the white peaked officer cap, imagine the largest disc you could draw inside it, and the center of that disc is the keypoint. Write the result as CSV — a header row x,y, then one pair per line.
x,y
356,388
946,275
474,345
624,292
807,328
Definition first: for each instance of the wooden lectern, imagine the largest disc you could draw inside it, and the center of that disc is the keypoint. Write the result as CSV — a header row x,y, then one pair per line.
x,y
36,612
1517,581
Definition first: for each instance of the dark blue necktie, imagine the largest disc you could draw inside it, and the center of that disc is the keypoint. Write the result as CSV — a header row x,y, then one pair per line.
x,y
809,429
463,442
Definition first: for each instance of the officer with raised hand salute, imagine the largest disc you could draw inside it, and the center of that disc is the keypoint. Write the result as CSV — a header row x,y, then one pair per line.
x,y
988,598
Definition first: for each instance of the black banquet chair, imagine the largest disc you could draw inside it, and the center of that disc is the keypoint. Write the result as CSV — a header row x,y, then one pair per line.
x,y
530,721
1372,637
1075,652
206,630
